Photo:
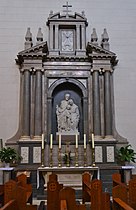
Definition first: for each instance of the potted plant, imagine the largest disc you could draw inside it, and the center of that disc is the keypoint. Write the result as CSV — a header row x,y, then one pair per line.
x,y
9,155
126,154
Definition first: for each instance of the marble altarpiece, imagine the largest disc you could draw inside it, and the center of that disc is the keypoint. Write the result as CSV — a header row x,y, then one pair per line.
x,y
66,64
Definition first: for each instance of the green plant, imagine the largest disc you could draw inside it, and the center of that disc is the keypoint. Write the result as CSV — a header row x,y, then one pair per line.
x,y
9,155
126,154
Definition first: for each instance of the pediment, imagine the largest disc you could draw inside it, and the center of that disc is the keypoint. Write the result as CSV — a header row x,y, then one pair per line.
x,y
39,48
97,52
34,52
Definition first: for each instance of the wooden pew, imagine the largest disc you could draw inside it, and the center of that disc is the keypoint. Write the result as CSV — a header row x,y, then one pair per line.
x,y
53,188
120,198
92,191
132,193
22,181
14,205
13,191
124,195
68,200
11,205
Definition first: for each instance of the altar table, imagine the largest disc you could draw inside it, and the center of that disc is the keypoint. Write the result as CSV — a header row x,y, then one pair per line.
x,y
69,176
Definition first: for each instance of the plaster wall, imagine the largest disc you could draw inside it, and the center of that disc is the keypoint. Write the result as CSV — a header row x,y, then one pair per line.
x,y
118,17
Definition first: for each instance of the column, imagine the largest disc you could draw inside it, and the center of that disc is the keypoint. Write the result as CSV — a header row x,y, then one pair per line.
x,y
26,104
96,104
83,37
51,36
56,37
38,103
107,104
78,37
32,115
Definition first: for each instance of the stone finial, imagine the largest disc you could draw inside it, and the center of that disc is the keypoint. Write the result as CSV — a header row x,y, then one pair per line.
x,y
51,13
83,13
94,37
39,36
28,38
105,40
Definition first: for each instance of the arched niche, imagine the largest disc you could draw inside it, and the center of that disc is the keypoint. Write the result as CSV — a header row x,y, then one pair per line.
x,y
56,93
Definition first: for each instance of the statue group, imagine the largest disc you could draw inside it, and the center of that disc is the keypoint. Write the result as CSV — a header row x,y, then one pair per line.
x,y
67,115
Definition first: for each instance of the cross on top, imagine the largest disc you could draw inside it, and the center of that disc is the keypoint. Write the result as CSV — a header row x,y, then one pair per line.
x,y
67,10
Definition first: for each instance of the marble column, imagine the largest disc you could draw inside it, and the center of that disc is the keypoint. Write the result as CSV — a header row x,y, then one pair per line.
x,y
38,103
78,36
56,37
83,37
107,104
96,104
26,104
51,36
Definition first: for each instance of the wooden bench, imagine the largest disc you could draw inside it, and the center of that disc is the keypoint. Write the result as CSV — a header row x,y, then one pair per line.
x,y
122,194
22,181
14,191
92,191
15,205
68,200
53,189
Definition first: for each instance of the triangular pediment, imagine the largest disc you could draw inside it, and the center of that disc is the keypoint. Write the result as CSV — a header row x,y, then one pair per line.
x,y
97,52
95,49
35,52
39,48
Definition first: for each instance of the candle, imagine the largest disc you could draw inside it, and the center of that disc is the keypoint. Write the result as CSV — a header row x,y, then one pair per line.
x,y
59,141
84,141
42,141
76,141
92,140
51,140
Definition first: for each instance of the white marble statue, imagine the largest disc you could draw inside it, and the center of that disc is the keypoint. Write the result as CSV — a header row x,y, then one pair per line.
x,y
67,115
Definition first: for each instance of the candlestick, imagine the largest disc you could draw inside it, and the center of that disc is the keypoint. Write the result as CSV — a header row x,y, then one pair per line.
x,y
42,141
51,141
84,141
92,140
76,141
59,141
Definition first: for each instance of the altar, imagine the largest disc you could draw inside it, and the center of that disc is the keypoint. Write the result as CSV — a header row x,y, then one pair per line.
x,y
68,176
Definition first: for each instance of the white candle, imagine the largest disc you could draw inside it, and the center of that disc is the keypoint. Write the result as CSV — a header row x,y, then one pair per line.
x,y
84,141
92,140
42,141
76,141
59,141
51,140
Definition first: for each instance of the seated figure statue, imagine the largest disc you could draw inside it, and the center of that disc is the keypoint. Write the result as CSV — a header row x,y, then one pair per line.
x,y
67,115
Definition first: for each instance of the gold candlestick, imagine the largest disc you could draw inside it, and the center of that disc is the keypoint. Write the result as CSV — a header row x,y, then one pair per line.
x,y
76,157
93,157
85,158
42,158
51,160
59,157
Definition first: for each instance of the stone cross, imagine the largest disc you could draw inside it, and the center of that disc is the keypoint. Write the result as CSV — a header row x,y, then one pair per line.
x,y
67,10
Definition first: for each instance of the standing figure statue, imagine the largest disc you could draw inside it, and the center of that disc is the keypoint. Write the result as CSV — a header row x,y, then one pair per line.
x,y
67,115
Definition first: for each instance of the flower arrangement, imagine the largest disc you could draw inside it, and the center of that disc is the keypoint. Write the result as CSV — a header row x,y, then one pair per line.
x,y
126,154
9,155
